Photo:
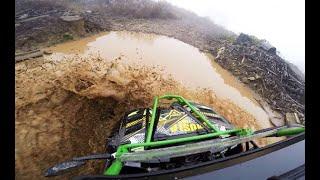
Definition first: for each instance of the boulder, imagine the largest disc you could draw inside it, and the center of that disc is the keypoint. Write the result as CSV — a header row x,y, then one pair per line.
x,y
272,51
244,39
265,45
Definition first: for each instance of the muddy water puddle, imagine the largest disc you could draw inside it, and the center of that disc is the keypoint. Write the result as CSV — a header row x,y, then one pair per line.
x,y
182,61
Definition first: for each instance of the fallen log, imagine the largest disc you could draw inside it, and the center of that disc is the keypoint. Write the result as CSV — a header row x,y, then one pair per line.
x,y
272,72
28,55
295,80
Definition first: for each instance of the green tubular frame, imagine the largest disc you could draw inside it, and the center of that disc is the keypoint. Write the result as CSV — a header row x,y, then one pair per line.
x,y
290,131
153,117
183,101
117,165
201,116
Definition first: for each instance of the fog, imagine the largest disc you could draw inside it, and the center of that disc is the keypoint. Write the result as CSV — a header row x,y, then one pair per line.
x,y
282,22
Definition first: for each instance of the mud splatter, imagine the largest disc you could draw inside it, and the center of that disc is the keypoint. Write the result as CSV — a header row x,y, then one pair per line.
x,y
68,107
184,62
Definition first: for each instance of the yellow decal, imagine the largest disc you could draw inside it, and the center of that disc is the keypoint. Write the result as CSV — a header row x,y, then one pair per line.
x,y
133,113
185,126
134,122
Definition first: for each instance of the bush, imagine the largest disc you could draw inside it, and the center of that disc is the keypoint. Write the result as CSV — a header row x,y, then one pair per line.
x,y
67,37
146,9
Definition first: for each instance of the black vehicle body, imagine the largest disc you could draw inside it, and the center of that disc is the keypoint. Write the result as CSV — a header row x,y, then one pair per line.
x,y
192,141
281,160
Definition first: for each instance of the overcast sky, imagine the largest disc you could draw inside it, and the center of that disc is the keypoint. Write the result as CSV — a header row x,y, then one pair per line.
x,y
281,22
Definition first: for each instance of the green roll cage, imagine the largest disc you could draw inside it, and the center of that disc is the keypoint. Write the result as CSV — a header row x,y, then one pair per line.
x,y
117,165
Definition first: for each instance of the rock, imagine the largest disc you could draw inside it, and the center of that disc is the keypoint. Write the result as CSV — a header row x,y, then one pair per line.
x,y
266,46
47,52
292,118
220,51
244,39
23,16
272,51
244,80
277,121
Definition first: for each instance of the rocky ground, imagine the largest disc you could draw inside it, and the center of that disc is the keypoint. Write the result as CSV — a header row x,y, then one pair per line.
x,y
43,23
70,99
266,73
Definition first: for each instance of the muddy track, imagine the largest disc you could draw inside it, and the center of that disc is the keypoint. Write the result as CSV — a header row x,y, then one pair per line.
x,y
68,108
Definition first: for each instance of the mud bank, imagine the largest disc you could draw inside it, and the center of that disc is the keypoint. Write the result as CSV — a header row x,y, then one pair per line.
x,y
69,107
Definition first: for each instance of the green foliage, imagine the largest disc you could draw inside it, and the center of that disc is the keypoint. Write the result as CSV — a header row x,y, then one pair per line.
x,y
255,40
67,37
231,38
141,9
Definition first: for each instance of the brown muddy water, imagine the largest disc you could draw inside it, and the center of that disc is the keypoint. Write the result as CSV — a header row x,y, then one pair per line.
x,y
69,102
183,62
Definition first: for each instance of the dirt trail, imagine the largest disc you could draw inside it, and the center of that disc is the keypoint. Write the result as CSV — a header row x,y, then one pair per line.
x,y
69,107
